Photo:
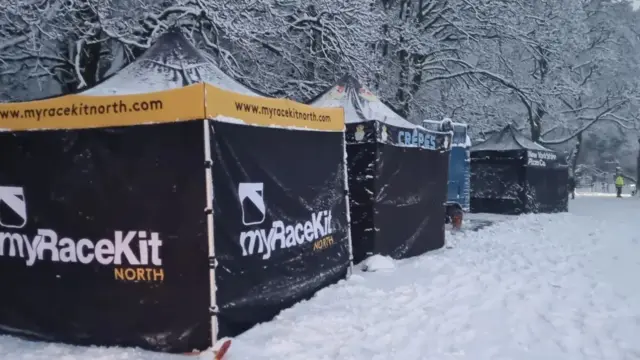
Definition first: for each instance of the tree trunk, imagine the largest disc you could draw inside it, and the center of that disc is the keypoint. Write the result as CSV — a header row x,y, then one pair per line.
x,y
404,61
539,112
402,95
535,122
90,63
576,154
638,167
315,47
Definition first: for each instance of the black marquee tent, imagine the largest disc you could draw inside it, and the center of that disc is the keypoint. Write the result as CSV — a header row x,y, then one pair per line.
x,y
173,62
170,219
513,175
397,175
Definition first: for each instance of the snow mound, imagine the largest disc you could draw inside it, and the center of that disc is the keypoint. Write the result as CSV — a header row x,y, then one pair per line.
x,y
378,263
356,278
530,287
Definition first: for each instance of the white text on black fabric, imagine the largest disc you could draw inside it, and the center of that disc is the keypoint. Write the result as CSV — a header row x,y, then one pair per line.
x,y
283,236
130,261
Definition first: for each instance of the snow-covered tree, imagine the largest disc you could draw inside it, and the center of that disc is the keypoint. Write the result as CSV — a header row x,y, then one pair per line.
x,y
565,71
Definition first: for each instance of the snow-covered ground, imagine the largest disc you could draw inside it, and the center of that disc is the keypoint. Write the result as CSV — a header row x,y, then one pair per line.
x,y
553,287
597,191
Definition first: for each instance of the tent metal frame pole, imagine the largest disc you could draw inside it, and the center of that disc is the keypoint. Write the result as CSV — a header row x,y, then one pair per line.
x,y
346,199
213,263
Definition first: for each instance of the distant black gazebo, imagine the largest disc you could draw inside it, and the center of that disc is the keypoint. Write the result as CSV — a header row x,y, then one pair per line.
x,y
511,174
397,175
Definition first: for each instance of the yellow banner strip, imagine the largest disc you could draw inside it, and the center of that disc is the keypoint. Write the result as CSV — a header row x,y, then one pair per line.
x,y
84,111
193,102
271,112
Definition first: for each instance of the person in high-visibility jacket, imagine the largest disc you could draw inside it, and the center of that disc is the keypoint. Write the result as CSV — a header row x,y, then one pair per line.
x,y
619,185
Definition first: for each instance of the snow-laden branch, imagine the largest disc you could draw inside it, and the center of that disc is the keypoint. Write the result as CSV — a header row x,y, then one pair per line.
x,y
13,42
590,122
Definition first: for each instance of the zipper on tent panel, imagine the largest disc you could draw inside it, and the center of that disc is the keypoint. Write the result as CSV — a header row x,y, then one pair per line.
x,y
346,199
213,263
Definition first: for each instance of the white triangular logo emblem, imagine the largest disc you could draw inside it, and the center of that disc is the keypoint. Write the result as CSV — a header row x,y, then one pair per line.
x,y
13,207
251,196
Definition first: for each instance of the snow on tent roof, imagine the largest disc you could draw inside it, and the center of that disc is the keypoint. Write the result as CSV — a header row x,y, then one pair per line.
x,y
508,139
171,62
359,104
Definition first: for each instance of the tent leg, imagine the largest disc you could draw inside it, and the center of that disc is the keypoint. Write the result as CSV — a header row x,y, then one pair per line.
x,y
346,199
213,309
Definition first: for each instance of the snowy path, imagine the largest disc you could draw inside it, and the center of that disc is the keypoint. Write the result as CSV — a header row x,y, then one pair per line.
x,y
536,287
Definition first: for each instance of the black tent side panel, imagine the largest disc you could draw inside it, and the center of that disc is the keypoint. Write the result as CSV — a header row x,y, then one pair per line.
x,y
547,182
280,215
411,189
362,152
547,189
498,179
103,236
362,171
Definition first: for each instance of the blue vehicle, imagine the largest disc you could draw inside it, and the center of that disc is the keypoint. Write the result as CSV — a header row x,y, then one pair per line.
x,y
459,185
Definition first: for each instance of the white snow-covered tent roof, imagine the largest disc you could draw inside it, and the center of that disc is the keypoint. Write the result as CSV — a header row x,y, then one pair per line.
x,y
359,104
171,62
508,139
